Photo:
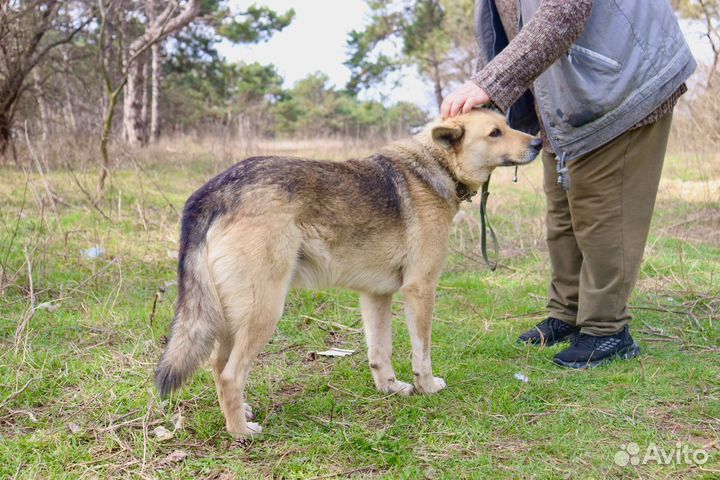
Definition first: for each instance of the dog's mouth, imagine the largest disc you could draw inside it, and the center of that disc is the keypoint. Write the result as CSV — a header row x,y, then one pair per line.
x,y
530,155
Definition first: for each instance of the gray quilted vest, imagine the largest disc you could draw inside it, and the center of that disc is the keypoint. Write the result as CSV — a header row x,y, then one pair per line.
x,y
629,59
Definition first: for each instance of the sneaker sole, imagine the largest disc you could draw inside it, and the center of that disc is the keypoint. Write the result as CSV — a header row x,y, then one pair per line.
x,y
631,351
566,338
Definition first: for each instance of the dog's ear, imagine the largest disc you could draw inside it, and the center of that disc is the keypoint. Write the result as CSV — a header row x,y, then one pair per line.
x,y
448,134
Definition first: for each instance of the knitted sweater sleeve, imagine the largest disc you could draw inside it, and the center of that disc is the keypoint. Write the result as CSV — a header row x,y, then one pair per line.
x,y
553,28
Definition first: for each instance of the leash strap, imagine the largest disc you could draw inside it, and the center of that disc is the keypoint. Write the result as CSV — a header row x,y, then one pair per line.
x,y
485,226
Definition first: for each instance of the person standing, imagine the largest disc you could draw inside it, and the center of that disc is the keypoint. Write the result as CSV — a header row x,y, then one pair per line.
x,y
599,80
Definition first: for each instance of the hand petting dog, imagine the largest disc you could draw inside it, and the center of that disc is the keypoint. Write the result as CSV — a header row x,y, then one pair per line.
x,y
463,99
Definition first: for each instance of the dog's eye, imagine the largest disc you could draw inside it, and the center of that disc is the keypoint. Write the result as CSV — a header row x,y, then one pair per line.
x,y
495,133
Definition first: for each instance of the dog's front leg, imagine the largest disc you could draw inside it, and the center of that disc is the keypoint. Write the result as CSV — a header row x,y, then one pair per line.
x,y
419,305
377,320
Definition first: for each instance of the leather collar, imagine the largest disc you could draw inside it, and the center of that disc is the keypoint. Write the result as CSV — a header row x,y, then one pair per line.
x,y
463,192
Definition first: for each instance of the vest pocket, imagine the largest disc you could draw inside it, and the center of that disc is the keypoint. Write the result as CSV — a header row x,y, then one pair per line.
x,y
581,55
583,86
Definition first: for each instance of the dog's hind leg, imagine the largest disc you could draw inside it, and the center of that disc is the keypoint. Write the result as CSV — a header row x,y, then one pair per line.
x,y
253,313
252,277
219,361
377,320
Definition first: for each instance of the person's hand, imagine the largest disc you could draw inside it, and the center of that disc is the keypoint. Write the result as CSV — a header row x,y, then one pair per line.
x,y
463,99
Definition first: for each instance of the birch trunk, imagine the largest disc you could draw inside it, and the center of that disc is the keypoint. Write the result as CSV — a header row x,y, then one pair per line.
x,y
42,106
145,109
69,111
133,102
156,53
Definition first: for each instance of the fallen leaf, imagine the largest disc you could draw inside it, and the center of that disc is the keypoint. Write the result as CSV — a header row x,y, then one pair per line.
x,y
224,475
174,457
162,434
178,421
74,428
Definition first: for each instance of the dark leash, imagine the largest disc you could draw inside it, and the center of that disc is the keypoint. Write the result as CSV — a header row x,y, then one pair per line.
x,y
465,195
484,227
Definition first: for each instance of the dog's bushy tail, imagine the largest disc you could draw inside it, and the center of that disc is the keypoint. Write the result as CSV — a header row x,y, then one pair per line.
x,y
198,319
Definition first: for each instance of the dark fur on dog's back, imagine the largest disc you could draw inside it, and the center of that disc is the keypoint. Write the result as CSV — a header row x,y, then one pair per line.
x,y
375,179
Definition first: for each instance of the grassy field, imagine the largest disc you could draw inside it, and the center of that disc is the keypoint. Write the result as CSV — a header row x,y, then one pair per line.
x,y
79,338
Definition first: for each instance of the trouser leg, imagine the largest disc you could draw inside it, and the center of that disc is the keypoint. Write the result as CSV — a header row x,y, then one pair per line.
x,y
611,204
565,255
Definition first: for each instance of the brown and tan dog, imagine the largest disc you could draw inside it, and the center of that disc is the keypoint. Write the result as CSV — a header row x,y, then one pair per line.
x,y
376,226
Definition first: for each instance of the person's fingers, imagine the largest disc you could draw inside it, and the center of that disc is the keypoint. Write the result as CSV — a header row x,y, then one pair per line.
x,y
445,107
473,102
457,106
470,103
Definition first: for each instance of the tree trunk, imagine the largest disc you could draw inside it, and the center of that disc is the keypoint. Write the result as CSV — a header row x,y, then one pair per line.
x,y
436,81
105,137
145,109
156,53
5,133
69,111
11,89
133,102
42,107
713,68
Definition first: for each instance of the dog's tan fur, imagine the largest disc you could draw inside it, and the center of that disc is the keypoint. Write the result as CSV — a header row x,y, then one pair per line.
x,y
376,226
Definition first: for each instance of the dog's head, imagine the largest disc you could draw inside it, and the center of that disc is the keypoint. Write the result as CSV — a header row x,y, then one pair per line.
x,y
478,142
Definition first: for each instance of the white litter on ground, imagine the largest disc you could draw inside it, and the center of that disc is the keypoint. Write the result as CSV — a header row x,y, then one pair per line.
x,y
93,253
336,352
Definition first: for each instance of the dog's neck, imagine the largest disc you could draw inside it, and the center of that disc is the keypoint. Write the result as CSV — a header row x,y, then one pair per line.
x,y
463,191
437,174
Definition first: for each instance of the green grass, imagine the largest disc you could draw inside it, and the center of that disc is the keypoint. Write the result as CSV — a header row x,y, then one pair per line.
x,y
77,400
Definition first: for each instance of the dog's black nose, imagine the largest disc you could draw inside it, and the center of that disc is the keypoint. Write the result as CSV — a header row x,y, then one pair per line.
x,y
536,143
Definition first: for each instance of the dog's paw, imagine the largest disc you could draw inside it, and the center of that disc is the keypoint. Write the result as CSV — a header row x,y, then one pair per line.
x,y
254,428
434,385
401,388
251,429
249,415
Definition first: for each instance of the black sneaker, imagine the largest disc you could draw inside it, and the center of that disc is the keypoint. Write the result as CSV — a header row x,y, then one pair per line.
x,y
588,351
549,332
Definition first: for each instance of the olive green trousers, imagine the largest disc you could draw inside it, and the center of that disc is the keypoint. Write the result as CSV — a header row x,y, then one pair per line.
x,y
596,231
